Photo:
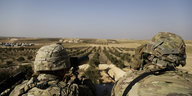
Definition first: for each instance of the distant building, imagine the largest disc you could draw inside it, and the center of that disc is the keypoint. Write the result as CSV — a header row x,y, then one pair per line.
x,y
16,44
70,41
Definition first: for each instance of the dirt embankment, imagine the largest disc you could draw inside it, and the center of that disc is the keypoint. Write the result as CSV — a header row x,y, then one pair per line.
x,y
108,71
113,71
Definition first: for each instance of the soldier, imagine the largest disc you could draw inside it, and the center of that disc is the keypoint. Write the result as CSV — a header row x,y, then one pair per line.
x,y
50,66
158,75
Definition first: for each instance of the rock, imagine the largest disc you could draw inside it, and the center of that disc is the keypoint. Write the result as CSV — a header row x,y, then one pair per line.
x,y
112,70
84,67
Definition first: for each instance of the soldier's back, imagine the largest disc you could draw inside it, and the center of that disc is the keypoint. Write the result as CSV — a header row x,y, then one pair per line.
x,y
168,83
45,88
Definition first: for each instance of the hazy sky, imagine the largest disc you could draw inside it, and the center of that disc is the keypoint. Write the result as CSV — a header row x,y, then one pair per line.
x,y
128,19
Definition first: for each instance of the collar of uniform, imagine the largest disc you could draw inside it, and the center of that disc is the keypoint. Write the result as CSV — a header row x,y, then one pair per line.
x,y
46,77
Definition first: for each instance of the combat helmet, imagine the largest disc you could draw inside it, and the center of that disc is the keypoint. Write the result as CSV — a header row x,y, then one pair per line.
x,y
51,58
166,50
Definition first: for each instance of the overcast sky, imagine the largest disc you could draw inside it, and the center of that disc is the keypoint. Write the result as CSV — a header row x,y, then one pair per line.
x,y
126,19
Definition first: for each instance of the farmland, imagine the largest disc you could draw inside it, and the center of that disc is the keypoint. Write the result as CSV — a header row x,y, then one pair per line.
x,y
98,59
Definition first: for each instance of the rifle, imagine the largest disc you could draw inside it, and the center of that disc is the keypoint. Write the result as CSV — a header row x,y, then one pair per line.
x,y
75,62
74,72
7,85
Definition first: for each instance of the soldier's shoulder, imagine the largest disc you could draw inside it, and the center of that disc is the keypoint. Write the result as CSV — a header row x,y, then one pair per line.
x,y
123,82
169,83
53,89
50,91
16,90
145,84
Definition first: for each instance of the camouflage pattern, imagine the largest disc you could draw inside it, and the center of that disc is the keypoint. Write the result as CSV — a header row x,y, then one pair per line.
x,y
137,59
141,83
161,56
165,50
50,58
171,43
45,85
168,47
49,85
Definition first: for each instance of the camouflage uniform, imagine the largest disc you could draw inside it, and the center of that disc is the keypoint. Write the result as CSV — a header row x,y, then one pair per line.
x,y
165,50
142,83
158,75
45,85
49,60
